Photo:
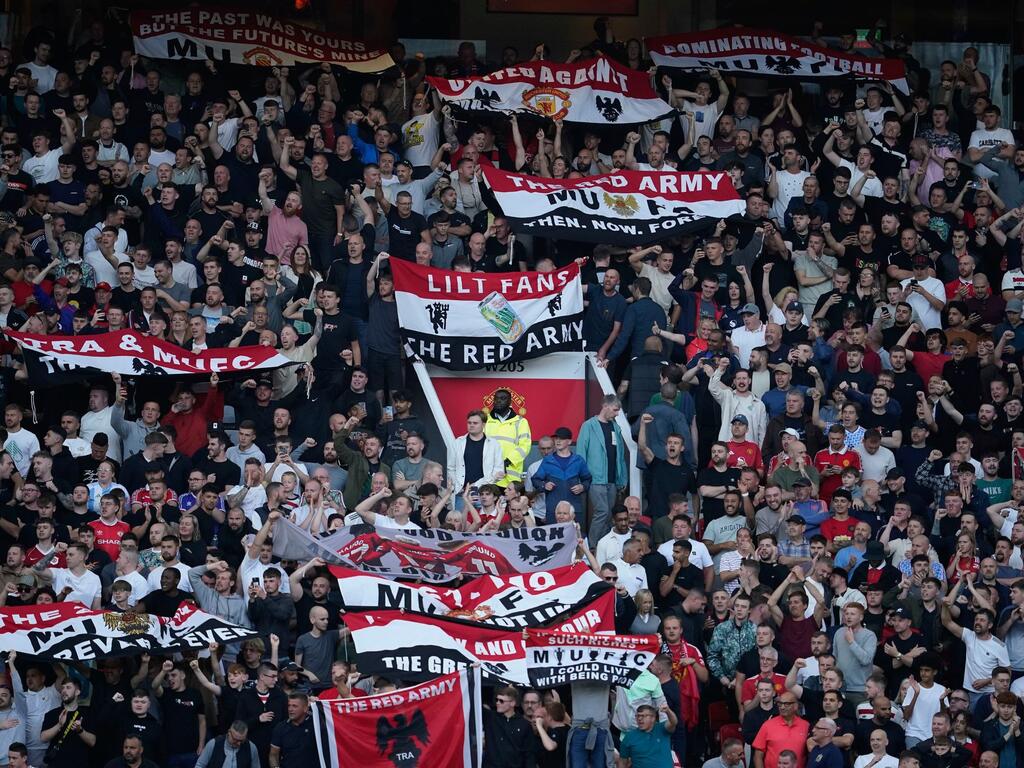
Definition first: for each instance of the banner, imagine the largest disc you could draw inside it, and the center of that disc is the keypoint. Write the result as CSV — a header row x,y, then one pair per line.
x,y
432,555
510,602
416,647
243,37
70,632
625,208
598,91
55,359
439,723
748,52
560,658
466,321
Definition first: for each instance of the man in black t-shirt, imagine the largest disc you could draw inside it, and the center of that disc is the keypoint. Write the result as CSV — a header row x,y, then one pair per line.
x,y
667,476
406,228
184,717
339,335
68,730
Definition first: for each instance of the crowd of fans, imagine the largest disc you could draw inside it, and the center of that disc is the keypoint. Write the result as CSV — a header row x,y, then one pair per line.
x,y
825,394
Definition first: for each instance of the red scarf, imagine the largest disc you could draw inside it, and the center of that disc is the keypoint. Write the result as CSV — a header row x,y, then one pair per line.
x,y
689,690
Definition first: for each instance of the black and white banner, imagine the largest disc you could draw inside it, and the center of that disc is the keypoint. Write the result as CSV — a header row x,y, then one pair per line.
x,y
510,602
594,91
416,647
625,208
749,52
559,658
72,632
466,321
432,555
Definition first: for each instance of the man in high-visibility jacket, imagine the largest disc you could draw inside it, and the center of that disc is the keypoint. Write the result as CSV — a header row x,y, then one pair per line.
x,y
512,432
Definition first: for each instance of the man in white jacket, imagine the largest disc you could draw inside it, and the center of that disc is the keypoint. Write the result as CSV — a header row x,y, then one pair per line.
x,y
738,401
476,459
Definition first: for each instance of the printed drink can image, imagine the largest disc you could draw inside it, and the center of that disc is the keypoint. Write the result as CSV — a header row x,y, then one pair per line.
x,y
497,311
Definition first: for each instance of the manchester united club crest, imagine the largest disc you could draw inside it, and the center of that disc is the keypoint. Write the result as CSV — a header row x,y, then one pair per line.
x,y
551,102
261,57
518,401
624,205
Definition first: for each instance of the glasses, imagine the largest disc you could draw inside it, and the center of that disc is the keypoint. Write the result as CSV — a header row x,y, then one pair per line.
x,y
501,700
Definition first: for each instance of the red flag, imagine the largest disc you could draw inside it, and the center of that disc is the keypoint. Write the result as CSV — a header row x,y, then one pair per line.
x,y
437,723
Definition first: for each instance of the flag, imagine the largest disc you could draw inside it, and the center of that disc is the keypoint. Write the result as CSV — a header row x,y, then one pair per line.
x,y
625,208
749,52
72,632
438,723
432,555
243,37
559,658
510,602
466,321
599,91
415,647
55,359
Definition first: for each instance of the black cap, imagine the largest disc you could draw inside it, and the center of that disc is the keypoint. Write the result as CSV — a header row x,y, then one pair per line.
x,y
894,474
802,481
563,433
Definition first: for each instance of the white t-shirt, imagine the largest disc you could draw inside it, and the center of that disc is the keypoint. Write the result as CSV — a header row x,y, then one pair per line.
x,y
985,139
930,317
704,119
610,546
790,185
21,445
699,554
99,421
745,341
254,499
253,569
140,587
43,169
660,281
153,580
871,188
420,139
1013,281
105,273
928,703
632,577
44,75
383,521
84,589
874,119
982,655
886,762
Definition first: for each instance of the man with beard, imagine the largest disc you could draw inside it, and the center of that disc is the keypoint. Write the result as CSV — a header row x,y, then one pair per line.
x,y
68,730
753,165
984,650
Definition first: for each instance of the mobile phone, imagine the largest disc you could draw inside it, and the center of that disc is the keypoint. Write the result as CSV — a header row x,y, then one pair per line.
x,y
389,411
255,582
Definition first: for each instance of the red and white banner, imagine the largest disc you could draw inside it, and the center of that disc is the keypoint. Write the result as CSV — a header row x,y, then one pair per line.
x,y
235,36
413,647
598,91
72,632
748,52
510,602
131,353
432,555
466,321
560,658
438,723
624,208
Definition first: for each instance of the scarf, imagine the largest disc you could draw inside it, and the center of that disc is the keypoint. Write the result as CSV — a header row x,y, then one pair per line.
x,y
689,689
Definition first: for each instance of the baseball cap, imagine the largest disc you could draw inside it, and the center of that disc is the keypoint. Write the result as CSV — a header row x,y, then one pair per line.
x,y
902,613
563,433
750,309
920,424
102,286
784,367
921,261
894,474
794,306
252,226
1015,305
802,481
741,419
403,162
62,281
789,431
265,381
798,519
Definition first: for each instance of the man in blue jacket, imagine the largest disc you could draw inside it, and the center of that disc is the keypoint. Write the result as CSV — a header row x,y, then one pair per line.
x,y
564,475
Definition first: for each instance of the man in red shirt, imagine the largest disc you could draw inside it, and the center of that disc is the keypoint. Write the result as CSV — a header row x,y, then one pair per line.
x,y
783,732
192,420
743,452
831,461
109,528
839,528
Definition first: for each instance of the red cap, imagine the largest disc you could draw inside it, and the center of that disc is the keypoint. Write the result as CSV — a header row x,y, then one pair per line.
x,y
102,286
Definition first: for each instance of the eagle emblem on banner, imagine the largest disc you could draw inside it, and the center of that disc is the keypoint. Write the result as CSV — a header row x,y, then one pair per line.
x,y
129,622
624,205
